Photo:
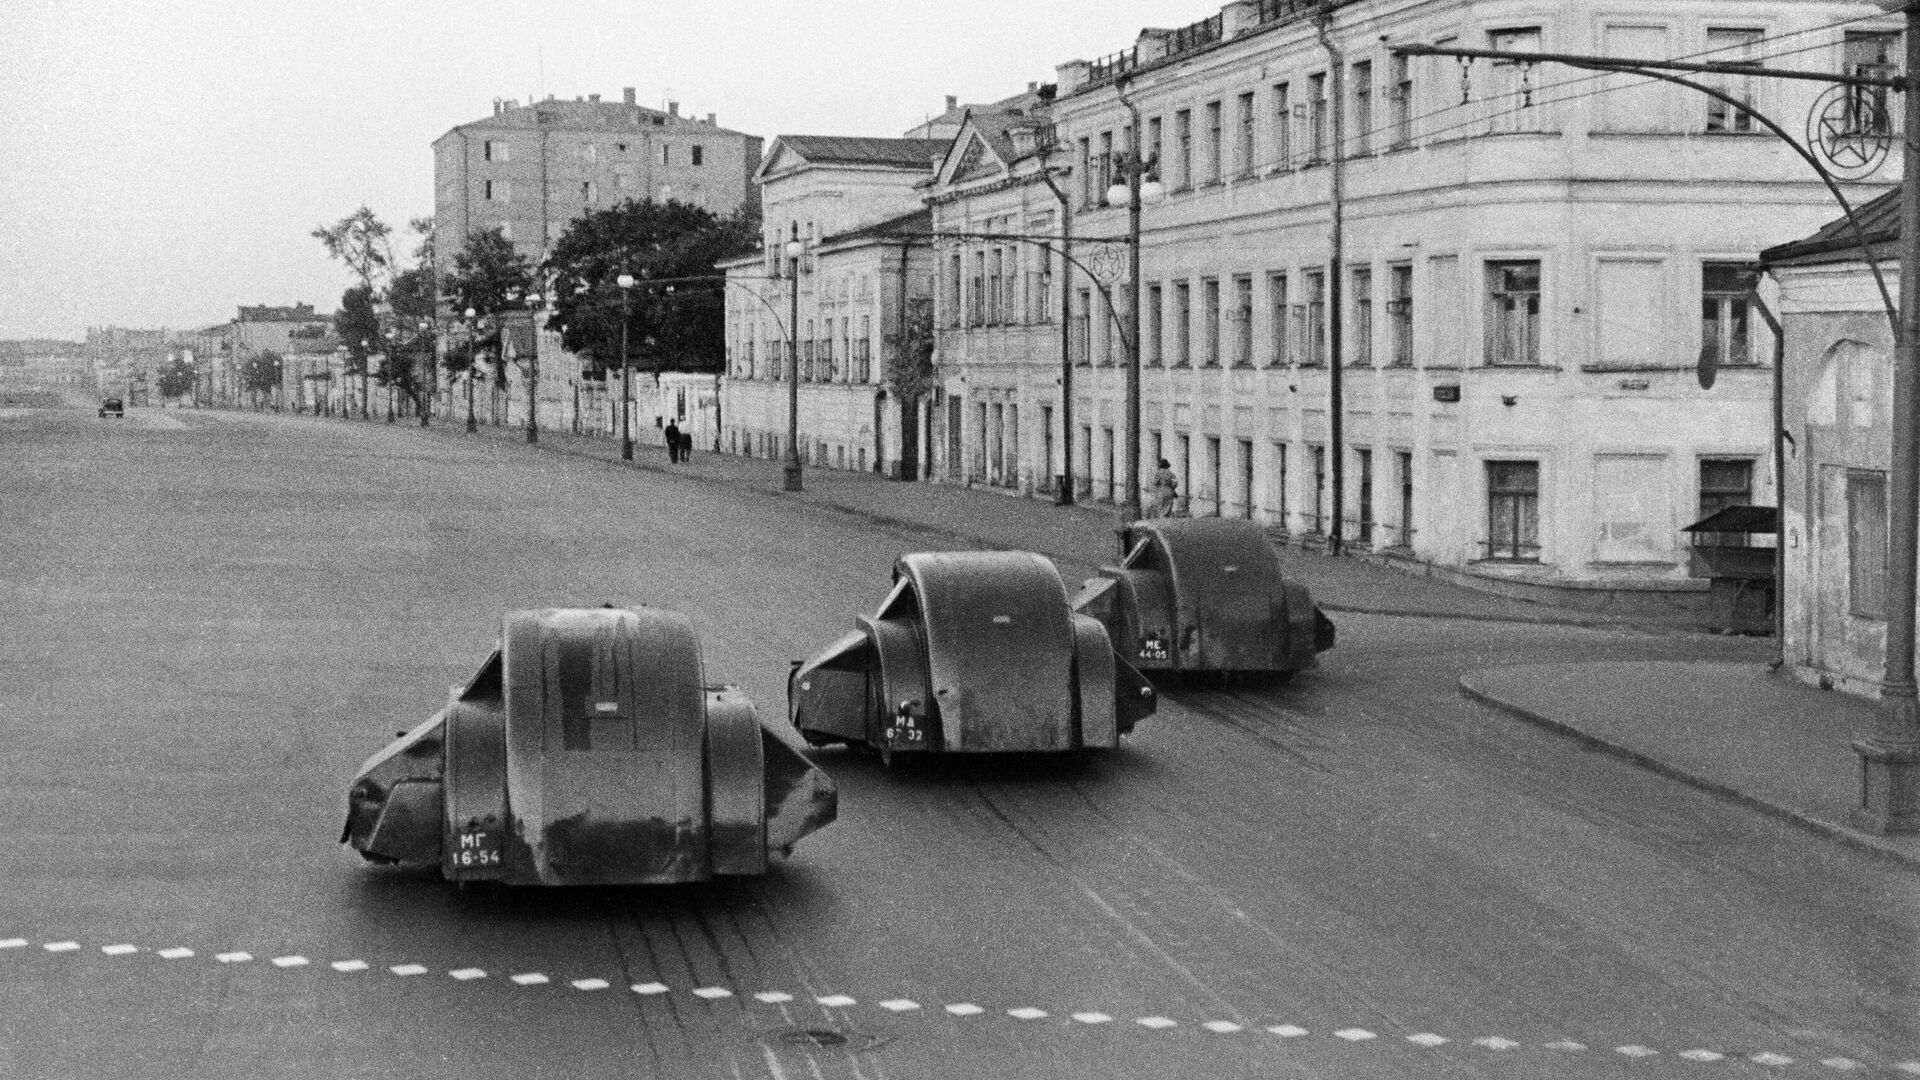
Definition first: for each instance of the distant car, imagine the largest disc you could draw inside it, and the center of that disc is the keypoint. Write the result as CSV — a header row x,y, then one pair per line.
x,y
112,406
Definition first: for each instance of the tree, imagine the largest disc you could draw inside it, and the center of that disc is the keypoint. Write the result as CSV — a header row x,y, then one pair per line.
x,y
489,276
360,240
410,346
358,325
261,373
177,378
655,242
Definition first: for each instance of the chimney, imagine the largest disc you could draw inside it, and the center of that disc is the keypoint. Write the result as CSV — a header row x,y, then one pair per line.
x,y
673,108
627,93
710,119
595,98
953,102
496,106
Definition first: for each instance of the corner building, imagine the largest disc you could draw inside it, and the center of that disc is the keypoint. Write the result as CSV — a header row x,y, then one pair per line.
x,y
1531,263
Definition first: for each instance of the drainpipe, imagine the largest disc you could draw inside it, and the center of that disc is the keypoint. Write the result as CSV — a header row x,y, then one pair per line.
x,y
1336,402
900,346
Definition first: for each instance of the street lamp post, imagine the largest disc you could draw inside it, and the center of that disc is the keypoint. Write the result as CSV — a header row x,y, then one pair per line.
x,y
366,364
1130,193
425,385
792,478
625,281
473,330
536,302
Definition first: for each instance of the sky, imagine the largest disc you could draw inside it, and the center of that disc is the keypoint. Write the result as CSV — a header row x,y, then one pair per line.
x,y
165,161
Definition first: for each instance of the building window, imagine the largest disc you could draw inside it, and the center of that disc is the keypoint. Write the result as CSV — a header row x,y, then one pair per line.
x,y
1364,533
1152,149
666,154
1513,94
498,190
496,150
954,296
977,291
1513,510
1867,544
1362,287
1400,103
1278,511
697,154
1403,461
1182,324
1316,119
586,191
1043,296
1243,146
1183,149
1210,322
1317,524
1276,319
1282,126
1738,46
1082,318
1362,126
1212,163
1869,52
1726,323
1725,482
1242,317
1315,340
1150,327
995,264
1103,169
1086,172
1513,313
1400,314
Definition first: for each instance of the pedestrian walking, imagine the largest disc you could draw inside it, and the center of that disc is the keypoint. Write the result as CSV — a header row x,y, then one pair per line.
x,y
686,446
673,442
1166,490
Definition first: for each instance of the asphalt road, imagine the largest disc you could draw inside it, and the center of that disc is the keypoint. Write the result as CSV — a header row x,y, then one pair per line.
x,y
207,620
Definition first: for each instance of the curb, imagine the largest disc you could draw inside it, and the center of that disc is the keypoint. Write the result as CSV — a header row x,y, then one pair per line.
x,y
1831,830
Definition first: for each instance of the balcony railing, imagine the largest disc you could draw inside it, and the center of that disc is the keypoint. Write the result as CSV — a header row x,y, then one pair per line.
x,y
1108,67
1194,35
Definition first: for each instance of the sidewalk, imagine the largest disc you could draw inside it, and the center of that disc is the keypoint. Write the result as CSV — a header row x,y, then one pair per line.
x,y
1079,538
1739,730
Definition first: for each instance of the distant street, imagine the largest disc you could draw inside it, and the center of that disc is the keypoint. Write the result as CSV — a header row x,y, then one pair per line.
x,y
209,619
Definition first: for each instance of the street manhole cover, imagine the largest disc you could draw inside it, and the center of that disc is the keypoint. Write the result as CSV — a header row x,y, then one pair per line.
x,y
822,1038
812,1037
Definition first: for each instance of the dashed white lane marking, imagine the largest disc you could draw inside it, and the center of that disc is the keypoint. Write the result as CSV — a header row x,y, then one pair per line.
x,y
902,1005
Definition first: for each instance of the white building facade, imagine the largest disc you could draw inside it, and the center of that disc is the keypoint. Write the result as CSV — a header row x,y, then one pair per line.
x,y
840,309
1531,262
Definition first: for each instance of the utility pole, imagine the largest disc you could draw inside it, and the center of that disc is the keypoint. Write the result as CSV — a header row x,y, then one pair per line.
x,y
1890,756
1336,270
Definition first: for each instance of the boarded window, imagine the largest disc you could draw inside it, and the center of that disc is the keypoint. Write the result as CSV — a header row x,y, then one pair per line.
x,y
1632,514
1630,321
1635,103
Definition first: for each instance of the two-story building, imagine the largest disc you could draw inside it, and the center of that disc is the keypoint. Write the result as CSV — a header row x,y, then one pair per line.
x,y
1470,296
850,209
